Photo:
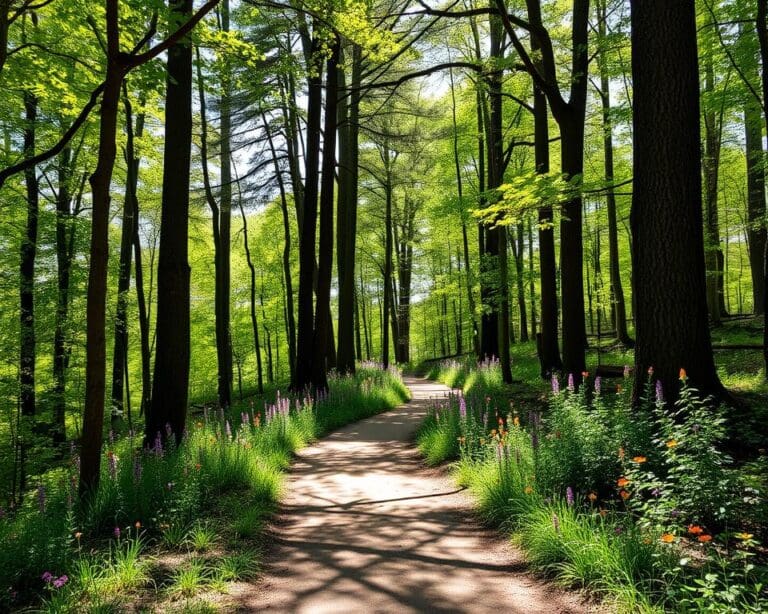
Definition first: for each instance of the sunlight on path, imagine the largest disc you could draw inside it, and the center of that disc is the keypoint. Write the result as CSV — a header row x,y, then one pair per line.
x,y
365,528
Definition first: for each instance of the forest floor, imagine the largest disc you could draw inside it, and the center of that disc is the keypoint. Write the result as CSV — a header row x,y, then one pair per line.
x,y
365,527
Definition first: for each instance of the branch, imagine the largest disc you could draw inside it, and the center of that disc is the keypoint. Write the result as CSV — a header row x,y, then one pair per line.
x,y
58,147
142,58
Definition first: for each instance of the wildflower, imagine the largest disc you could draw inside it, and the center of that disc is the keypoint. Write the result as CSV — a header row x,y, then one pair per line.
x,y
516,421
671,443
622,482
695,529
117,532
668,538
462,408
198,466
618,530
744,536
555,384
627,371
228,430
59,582
571,384
624,494
705,538
639,459
137,525
656,492
158,447
569,496
592,497
683,375
650,371
598,385
619,389
528,490
659,392
621,453
675,513
603,512
78,535
47,577
556,523
585,374
41,498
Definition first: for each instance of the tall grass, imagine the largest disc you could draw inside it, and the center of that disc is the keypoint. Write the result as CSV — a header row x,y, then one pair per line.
x,y
232,461
625,503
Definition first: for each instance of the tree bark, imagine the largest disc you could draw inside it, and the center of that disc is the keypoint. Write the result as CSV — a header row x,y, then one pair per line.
x,y
666,219
170,388
320,345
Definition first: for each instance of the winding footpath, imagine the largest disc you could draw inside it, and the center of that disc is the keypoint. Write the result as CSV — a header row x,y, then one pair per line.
x,y
366,528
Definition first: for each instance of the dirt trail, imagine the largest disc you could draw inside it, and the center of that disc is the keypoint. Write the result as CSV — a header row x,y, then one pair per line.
x,y
366,528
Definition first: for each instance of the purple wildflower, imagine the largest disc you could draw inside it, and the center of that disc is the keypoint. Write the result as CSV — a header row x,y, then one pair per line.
x,y
571,384
462,408
41,498
117,532
556,523
659,392
59,582
47,577
158,449
569,496
618,530
555,384
598,385
656,492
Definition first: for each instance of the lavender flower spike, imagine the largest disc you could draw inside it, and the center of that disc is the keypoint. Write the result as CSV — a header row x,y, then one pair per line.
x,y
569,496
659,392
555,384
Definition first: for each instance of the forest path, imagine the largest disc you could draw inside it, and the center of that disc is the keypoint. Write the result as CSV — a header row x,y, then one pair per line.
x,y
367,528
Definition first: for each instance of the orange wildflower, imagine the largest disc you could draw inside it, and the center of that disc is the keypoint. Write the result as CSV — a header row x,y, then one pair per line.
x,y
705,538
528,490
78,535
683,375
668,538
592,497
639,459
622,482
137,525
695,529
624,495
671,443
516,421
603,512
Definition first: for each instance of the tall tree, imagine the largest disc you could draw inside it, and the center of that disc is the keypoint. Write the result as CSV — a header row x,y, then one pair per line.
x,y
666,219
170,386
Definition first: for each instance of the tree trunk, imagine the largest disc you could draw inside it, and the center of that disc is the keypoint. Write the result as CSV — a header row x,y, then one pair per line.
x,y
666,219
120,349
761,22
323,336
756,233
170,388
308,225
547,343
349,130
518,253
254,319
618,304
95,358
290,319
387,259
27,343
711,163
531,285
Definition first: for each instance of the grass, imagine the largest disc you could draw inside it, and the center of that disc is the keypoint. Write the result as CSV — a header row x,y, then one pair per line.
x,y
210,497
548,478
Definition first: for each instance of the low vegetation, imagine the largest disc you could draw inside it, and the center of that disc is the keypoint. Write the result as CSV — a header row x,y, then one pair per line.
x,y
642,507
169,523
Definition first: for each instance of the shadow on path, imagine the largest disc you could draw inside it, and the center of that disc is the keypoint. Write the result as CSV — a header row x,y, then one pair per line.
x,y
366,528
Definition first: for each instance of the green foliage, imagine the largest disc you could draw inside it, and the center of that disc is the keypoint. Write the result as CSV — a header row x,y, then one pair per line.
x,y
167,495
627,503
